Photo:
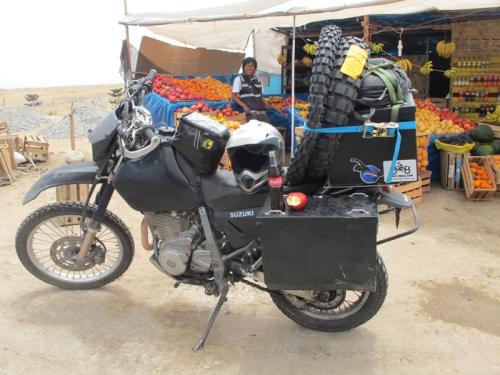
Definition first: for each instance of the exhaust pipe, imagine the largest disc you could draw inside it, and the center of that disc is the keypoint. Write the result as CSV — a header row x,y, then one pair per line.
x,y
145,234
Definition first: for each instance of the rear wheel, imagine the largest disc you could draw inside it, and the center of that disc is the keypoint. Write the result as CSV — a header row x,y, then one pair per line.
x,y
48,243
335,310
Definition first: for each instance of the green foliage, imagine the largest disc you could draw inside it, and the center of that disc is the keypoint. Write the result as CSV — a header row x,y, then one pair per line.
x,y
32,100
116,95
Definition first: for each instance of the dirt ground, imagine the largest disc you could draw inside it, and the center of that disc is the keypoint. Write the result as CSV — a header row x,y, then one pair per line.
x,y
441,315
56,101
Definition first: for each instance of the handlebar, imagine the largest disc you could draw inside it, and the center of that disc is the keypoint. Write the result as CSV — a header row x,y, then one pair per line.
x,y
149,78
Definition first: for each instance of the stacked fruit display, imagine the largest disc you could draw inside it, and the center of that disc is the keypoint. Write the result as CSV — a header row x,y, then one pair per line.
x,y
434,120
480,177
227,111
176,89
422,156
485,143
280,104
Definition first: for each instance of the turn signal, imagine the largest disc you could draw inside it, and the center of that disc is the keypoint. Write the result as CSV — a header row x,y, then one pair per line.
x,y
296,201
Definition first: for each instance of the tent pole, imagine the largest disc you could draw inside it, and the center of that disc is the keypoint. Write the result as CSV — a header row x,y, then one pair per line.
x,y
292,142
128,74
253,45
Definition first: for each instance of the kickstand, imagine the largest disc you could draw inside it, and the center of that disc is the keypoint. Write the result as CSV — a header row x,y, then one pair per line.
x,y
215,313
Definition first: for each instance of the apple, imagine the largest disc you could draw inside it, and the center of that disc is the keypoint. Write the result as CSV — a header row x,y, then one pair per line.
x,y
296,201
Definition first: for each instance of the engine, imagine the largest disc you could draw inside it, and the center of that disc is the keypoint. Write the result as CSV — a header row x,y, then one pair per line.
x,y
179,242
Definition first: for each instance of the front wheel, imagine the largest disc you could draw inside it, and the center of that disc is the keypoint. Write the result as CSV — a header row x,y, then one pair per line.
x,y
335,310
48,243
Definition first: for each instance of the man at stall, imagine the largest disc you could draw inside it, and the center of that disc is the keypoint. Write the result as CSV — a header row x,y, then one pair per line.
x,y
248,91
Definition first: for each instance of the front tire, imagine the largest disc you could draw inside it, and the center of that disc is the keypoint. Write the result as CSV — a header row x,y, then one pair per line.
x,y
48,240
306,314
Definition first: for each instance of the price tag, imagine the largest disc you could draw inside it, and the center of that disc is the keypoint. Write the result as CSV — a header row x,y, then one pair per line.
x,y
354,62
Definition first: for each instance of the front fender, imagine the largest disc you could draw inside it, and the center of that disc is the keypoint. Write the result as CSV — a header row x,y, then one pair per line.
x,y
76,173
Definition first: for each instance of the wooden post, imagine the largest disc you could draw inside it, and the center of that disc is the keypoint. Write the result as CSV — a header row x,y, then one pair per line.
x,y
72,129
366,28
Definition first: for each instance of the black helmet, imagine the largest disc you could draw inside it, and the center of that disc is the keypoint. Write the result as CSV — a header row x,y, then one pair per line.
x,y
248,60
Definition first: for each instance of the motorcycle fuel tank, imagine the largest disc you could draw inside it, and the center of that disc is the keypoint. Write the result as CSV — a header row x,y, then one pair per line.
x,y
155,183
102,136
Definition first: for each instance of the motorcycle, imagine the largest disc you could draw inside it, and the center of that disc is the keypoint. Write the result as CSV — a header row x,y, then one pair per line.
x,y
206,230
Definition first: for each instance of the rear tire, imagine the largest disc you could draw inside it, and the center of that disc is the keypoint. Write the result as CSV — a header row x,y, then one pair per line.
x,y
338,107
320,84
372,303
58,242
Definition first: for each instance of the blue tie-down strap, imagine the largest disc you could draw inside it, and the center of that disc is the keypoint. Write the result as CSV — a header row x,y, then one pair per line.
x,y
405,125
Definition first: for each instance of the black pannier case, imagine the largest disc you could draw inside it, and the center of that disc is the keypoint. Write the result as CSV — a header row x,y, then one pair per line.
x,y
201,141
331,244
361,161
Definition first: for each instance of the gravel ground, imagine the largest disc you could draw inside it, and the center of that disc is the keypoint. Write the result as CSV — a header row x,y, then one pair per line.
x,y
25,119
30,119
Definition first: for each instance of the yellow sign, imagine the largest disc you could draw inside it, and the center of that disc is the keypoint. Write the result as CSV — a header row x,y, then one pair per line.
x,y
207,143
354,62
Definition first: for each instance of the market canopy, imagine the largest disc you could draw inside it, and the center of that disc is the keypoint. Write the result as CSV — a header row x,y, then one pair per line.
x,y
229,26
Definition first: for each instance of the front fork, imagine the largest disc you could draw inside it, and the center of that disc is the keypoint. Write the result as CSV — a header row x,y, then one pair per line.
x,y
94,224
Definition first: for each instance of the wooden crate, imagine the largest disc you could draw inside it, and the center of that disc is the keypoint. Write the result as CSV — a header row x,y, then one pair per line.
x,y
36,147
472,193
225,162
451,164
6,171
411,189
73,192
496,170
298,133
4,128
426,181
11,142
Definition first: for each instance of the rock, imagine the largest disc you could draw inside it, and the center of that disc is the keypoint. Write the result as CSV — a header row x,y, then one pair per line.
x,y
19,158
74,156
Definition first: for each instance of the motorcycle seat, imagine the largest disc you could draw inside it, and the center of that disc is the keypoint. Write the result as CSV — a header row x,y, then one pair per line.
x,y
222,193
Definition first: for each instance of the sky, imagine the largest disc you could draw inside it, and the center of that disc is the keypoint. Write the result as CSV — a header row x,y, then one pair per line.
x,y
45,43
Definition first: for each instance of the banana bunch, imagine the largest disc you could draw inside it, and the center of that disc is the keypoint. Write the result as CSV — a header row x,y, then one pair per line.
x,y
445,49
377,48
450,73
311,48
426,68
307,61
281,59
405,64
495,116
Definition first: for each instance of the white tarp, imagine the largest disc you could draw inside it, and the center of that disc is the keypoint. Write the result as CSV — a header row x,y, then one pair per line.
x,y
228,27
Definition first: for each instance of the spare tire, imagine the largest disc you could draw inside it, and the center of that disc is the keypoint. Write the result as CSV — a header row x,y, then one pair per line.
x,y
318,92
339,105
373,92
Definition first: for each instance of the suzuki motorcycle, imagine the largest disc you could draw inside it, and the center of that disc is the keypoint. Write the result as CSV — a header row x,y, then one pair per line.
x,y
205,230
